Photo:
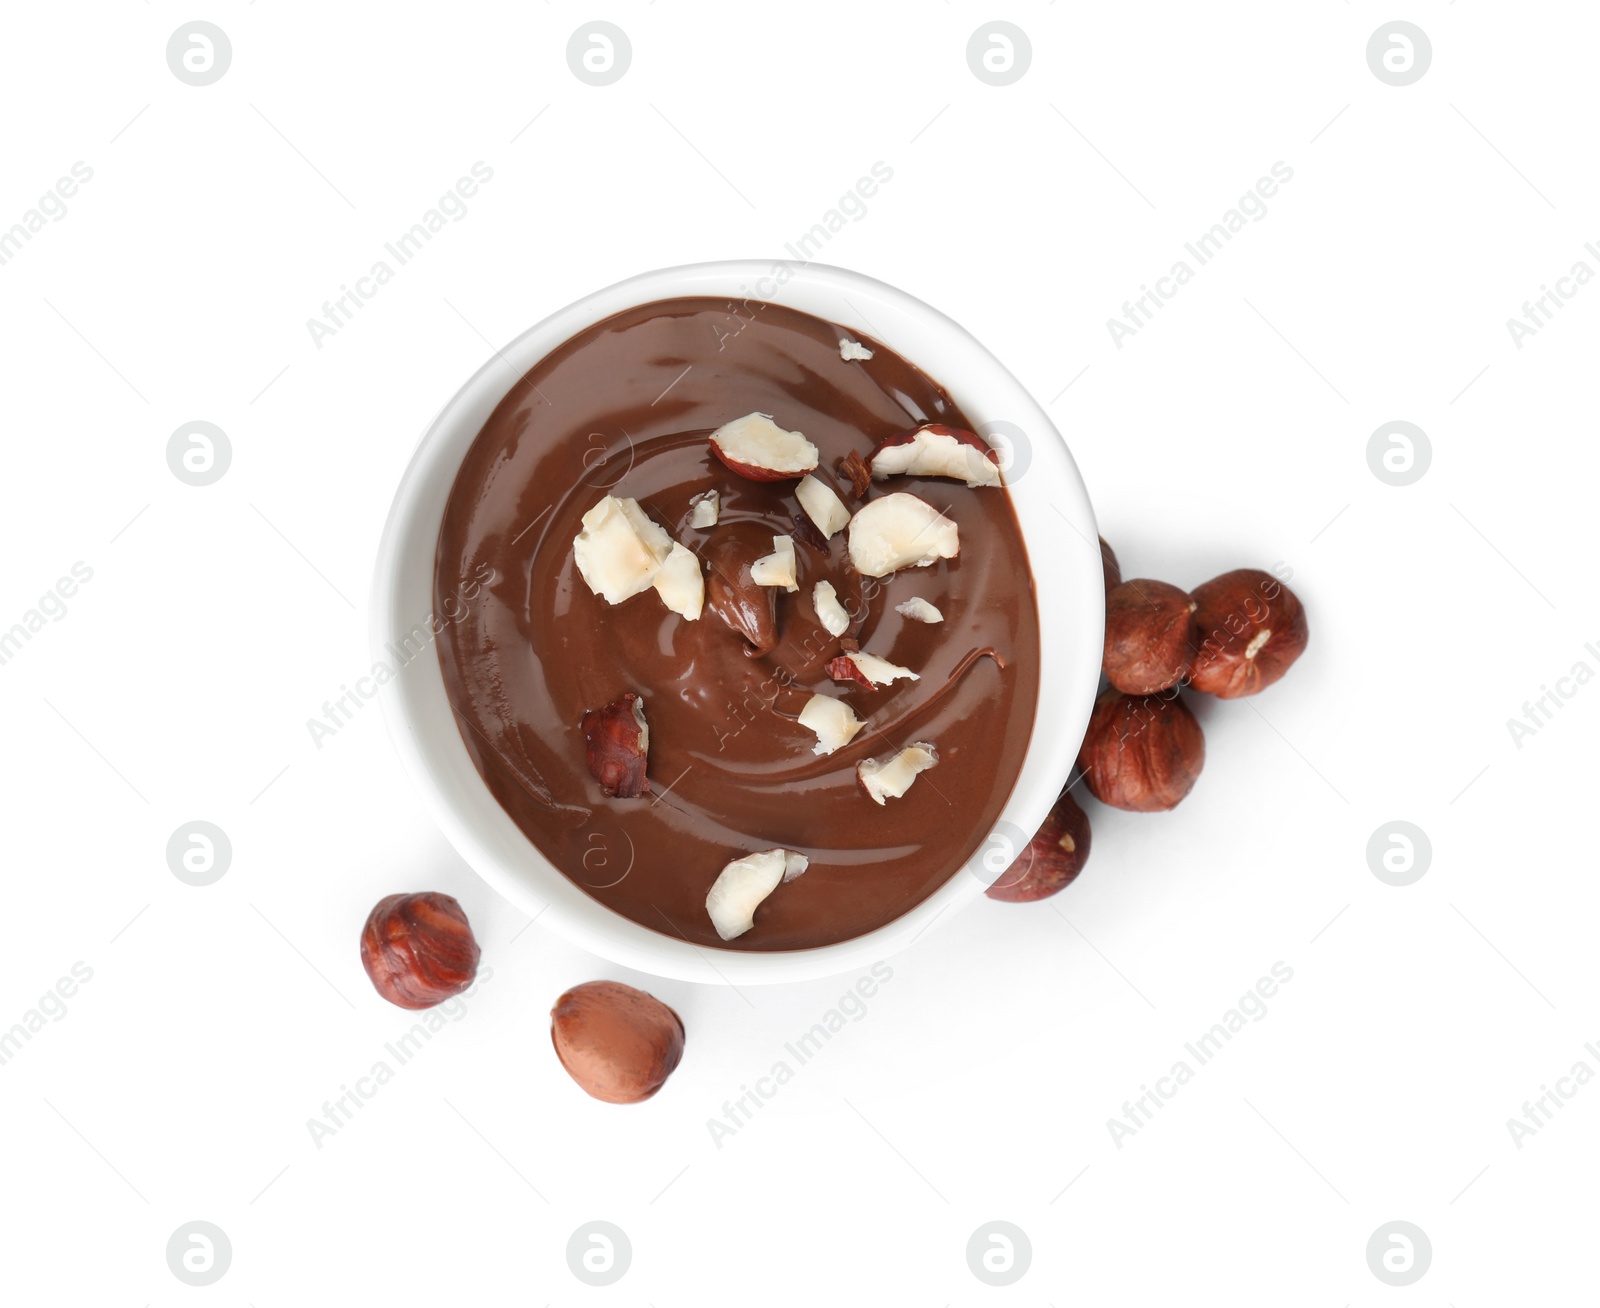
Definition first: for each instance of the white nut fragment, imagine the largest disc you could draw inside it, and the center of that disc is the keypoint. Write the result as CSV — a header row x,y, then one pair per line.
x,y
849,349
756,447
822,506
935,450
744,883
835,620
900,531
777,568
880,672
620,550
919,610
833,720
707,508
681,584
891,779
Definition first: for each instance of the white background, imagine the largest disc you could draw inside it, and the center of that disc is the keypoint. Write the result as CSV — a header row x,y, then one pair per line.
x,y
1230,431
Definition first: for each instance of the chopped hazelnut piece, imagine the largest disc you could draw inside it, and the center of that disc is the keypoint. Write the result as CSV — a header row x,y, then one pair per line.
x,y
900,531
617,741
707,509
777,568
891,778
936,450
835,620
620,550
744,883
854,469
681,584
919,610
822,506
833,720
756,447
868,670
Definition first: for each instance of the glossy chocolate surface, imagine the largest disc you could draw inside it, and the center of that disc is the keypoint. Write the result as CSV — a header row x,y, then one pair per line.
x,y
624,409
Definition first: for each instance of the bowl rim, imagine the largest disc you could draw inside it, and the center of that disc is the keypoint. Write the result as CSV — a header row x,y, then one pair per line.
x,y
1053,509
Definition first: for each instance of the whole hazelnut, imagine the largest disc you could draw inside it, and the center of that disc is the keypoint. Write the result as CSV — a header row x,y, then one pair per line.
x,y
1149,636
1110,566
619,1044
1142,752
418,949
1051,860
1249,627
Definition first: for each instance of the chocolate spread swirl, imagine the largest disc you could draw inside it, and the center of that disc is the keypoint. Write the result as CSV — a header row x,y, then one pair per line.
x,y
624,408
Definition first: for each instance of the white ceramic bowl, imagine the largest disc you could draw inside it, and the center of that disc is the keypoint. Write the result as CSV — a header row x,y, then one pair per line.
x,y
1057,524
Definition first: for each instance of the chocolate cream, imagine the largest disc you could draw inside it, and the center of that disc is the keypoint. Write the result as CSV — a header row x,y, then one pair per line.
x,y
624,408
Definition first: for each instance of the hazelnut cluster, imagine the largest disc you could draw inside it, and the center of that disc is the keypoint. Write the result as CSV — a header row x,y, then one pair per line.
x,y
1143,750
619,1044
